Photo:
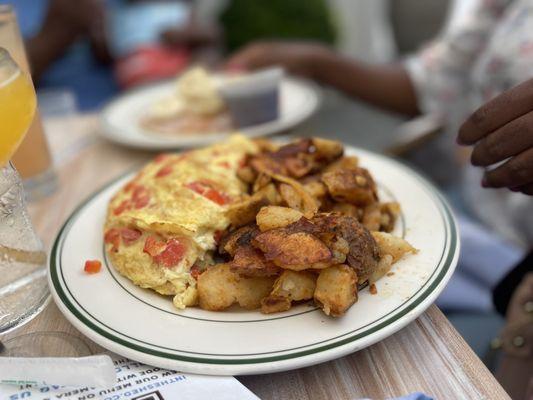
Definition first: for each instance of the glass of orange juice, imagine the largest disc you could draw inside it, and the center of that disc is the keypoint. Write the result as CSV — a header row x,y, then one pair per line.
x,y
32,159
23,289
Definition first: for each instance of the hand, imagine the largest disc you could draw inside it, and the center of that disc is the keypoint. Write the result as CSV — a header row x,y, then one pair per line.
x,y
299,58
522,295
502,130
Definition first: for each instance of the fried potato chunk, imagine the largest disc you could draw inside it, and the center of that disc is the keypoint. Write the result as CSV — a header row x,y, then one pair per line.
x,y
363,253
296,251
372,217
272,217
392,245
327,150
384,266
250,262
336,289
244,211
346,209
346,162
219,288
290,286
239,237
380,216
354,186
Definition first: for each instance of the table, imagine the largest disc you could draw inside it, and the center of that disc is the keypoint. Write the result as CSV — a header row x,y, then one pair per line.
x,y
428,355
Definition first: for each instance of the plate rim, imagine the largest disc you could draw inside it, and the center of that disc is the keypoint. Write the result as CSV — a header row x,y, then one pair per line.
x,y
109,130
418,302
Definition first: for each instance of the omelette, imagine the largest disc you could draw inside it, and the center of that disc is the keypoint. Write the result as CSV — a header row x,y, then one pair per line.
x,y
162,226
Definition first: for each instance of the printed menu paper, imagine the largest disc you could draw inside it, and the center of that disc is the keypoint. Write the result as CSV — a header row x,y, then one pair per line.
x,y
136,381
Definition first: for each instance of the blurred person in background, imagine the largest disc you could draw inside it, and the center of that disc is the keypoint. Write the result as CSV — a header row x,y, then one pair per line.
x,y
94,48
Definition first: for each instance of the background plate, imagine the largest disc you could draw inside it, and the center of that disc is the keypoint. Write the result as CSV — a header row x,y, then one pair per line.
x,y
120,118
144,326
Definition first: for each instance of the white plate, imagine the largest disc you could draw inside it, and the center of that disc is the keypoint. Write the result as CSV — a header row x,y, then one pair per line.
x,y
144,326
120,118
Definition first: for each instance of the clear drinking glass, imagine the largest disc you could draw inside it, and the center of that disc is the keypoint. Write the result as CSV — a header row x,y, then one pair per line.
x,y
23,287
32,159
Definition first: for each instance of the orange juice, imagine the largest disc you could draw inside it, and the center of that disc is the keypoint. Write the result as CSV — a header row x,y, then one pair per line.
x,y
17,108
32,158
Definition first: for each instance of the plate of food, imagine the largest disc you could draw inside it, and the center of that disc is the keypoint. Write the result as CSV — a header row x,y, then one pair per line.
x,y
200,108
251,256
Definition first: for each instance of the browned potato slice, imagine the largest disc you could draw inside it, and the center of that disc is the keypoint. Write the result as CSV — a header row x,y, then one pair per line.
x,y
299,166
380,216
290,196
250,262
250,291
336,289
296,251
389,215
384,266
239,237
346,162
247,174
290,286
261,181
346,209
392,245
354,186
219,288
244,211
327,149
372,217
295,285
271,217
274,304
296,196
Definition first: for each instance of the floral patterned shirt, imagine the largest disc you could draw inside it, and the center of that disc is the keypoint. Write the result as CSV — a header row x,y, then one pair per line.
x,y
482,52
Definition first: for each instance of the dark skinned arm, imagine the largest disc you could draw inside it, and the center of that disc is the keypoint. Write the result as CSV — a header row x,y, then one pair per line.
x,y
387,86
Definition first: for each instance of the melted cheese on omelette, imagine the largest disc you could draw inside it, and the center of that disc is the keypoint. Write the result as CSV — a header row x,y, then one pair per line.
x,y
165,220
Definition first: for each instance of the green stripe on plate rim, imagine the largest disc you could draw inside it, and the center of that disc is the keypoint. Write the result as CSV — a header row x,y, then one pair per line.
x,y
449,224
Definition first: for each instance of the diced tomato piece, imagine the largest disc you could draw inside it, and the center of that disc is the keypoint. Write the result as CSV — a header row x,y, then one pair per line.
x,y
153,246
161,157
92,266
142,201
112,236
242,162
216,197
130,236
139,191
130,186
195,271
196,187
224,164
125,205
217,236
167,169
204,189
140,196
172,254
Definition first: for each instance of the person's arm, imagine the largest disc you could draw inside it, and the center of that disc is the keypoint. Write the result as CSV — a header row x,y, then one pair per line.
x,y
386,86
46,47
432,81
64,23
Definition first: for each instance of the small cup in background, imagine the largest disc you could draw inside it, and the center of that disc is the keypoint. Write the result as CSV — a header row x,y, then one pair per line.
x,y
253,99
